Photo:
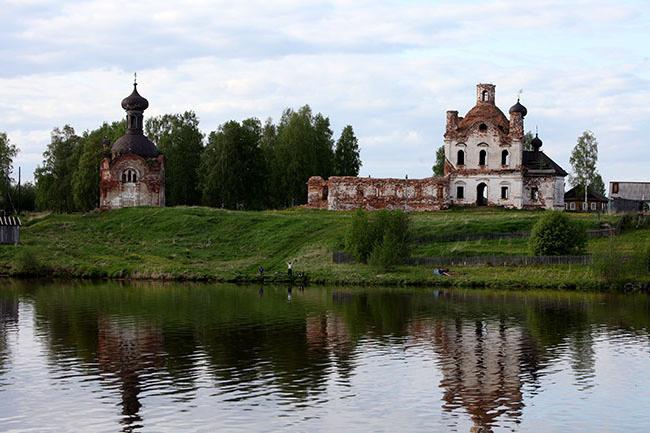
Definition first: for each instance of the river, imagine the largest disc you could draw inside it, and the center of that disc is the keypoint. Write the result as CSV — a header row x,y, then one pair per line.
x,y
144,357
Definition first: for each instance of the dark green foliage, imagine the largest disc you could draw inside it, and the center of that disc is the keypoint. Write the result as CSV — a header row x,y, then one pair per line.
x,y
25,201
232,168
439,166
27,263
8,152
85,180
555,234
380,238
54,178
346,154
178,138
303,148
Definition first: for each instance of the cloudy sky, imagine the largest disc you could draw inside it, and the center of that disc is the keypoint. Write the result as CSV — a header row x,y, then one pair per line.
x,y
389,68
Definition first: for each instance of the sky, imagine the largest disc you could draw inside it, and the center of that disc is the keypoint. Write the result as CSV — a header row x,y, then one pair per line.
x,y
389,68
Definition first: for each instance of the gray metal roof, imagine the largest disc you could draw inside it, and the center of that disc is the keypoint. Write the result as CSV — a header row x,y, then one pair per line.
x,y
10,221
631,190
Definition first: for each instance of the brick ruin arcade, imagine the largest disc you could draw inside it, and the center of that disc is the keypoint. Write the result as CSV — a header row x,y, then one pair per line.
x,y
133,172
485,165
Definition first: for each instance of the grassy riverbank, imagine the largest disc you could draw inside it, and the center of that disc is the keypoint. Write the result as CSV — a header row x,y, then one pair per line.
x,y
213,244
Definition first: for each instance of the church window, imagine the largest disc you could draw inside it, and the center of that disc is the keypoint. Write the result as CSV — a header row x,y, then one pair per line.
x,y
482,156
482,127
484,95
460,159
505,157
460,192
504,193
129,176
534,194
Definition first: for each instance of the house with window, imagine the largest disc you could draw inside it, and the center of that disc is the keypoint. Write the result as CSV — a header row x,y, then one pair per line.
x,y
132,173
629,196
485,165
574,200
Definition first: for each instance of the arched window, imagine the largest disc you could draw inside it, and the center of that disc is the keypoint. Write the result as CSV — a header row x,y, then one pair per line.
x,y
460,159
482,127
482,156
484,96
505,157
129,176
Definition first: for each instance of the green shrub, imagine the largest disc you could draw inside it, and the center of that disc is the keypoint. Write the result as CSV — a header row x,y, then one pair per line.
x,y
27,263
380,238
555,234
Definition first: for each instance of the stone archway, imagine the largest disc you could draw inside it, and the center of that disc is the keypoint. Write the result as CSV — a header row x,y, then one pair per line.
x,y
481,194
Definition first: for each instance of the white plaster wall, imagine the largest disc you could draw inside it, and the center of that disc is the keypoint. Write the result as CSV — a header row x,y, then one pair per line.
x,y
494,184
484,141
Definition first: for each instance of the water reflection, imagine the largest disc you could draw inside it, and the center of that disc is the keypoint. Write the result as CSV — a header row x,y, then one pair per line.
x,y
281,353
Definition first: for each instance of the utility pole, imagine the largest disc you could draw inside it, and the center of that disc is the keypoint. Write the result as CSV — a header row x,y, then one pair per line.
x,y
19,200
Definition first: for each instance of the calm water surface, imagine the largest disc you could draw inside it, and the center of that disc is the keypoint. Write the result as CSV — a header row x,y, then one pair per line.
x,y
109,357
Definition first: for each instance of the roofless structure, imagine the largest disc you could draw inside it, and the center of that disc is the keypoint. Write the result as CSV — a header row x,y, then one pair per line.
x,y
485,165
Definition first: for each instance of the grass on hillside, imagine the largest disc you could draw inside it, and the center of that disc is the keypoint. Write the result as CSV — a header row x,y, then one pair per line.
x,y
206,243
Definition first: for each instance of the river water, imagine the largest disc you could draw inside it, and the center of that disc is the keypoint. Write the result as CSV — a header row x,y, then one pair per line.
x,y
106,357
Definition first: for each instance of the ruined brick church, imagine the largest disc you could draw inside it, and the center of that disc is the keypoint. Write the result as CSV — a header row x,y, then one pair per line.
x,y
133,172
485,165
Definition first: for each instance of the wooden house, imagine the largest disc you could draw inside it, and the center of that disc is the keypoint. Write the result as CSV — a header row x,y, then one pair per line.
x,y
574,201
9,230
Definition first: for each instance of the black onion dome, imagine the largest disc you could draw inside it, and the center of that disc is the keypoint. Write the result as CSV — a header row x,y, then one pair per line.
x,y
536,142
518,108
134,144
135,102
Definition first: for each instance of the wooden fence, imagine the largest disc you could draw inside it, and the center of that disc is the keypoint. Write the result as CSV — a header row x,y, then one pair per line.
x,y
340,257
459,237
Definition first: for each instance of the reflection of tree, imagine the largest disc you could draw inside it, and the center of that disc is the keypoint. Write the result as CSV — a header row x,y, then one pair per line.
x,y
8,319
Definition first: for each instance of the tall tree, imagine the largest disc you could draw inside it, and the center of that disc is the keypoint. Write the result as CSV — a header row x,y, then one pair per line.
x,y
303,149
85,181
54,177
347,160
8,152
231,169
439,166
583,161
178,137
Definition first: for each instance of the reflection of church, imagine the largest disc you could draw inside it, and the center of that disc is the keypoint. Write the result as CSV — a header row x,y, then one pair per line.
x,y
127,350
133,174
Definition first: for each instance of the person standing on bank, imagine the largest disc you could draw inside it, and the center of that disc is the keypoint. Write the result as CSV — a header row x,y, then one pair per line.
x,y
290,269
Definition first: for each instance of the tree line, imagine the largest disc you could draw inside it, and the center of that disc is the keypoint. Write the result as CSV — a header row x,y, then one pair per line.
x,y
240,165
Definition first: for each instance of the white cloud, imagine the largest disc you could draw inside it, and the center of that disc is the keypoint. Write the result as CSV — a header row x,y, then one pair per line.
x,y
389,68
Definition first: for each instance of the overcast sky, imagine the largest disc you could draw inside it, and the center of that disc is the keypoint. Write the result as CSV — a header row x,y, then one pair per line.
x,y
389,68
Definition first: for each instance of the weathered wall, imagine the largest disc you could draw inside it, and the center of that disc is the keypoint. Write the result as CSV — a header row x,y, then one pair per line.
x,y
494,180
550,192
149,190
348,192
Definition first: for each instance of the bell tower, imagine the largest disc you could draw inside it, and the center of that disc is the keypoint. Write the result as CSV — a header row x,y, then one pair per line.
x,y
485,93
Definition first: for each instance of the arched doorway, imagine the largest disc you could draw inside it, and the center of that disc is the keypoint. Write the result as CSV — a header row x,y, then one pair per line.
x,y
481,194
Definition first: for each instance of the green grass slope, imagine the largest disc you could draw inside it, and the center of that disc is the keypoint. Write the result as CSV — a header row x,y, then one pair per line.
x,y
204,243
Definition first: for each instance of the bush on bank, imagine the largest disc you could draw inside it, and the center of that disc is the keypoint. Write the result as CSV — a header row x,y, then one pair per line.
x,y
380,238
555,234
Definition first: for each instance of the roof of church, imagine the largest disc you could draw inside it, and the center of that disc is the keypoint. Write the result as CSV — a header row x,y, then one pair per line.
x,y
137,144
485,113
533,160
577,194
135,102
